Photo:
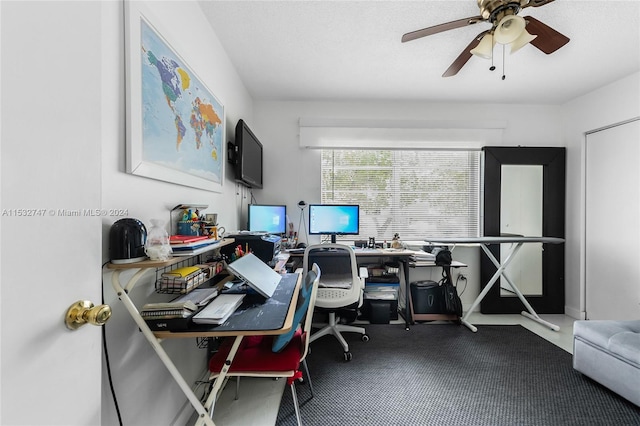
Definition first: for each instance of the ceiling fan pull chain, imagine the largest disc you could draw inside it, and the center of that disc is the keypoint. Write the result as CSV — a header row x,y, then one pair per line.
x,y
492,67
503,72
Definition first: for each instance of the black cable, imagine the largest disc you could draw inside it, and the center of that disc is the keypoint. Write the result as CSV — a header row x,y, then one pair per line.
x,y
106,359
465,283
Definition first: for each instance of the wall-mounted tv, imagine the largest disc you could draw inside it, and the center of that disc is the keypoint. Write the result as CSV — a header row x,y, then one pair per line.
x,y
248,157
334,219
267,218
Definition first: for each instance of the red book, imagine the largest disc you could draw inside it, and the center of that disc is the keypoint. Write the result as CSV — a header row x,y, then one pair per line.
x,y
184,239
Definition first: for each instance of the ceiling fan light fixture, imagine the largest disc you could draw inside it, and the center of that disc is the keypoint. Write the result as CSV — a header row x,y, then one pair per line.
x,y
524,39
484,49
509,29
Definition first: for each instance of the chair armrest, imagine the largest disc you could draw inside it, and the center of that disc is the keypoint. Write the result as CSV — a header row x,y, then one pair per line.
x,y
298,270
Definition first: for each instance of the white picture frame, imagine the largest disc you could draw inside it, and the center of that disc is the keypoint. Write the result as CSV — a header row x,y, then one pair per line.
x,y
175,124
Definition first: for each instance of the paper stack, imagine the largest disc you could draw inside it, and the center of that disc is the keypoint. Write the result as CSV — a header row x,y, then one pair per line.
x,y
422,258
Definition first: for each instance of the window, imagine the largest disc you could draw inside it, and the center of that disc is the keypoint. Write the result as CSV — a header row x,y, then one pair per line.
x,y
415,193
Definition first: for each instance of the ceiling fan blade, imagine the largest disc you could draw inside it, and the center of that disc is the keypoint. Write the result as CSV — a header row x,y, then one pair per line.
x,y
548,40
440,28
537,3
464,57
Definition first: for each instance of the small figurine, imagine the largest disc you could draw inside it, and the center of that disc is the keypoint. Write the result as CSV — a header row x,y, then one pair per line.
x,y
395,242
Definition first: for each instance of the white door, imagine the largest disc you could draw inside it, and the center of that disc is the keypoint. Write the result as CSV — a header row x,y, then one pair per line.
x,y
51,245
612,223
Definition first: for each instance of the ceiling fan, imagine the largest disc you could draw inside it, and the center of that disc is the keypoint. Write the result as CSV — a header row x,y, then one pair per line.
x,y
507,28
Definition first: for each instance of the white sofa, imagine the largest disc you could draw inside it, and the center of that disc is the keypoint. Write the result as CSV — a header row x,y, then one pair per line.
x,y
609,352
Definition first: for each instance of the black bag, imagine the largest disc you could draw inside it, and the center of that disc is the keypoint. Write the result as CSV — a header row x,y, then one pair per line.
x,y
443,258
452,302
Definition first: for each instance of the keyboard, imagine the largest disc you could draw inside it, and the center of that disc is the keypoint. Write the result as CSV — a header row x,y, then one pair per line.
x,y
219,309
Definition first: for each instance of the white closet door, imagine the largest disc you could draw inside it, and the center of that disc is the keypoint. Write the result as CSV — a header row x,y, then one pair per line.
x,y
612,237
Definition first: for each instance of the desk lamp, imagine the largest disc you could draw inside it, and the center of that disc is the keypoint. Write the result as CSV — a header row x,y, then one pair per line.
x,y
302,205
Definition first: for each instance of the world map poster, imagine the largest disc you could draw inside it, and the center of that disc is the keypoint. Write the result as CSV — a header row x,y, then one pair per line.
x,y
182,122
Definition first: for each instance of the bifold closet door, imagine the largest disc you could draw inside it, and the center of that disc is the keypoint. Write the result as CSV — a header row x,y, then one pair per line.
x,y
612,237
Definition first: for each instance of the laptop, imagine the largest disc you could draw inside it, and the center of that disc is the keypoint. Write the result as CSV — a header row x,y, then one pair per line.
x,y
256,273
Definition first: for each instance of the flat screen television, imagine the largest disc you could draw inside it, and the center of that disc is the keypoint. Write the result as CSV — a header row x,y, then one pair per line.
x,y
334,219
248,157
267,218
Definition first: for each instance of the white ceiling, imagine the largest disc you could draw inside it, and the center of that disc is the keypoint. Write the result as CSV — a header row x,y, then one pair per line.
x,y
351,50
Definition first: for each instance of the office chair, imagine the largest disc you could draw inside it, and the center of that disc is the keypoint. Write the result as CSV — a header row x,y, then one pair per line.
x,y
274,356
341,288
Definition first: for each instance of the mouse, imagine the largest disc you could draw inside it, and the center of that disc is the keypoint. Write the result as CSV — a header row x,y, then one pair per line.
x,y
301,245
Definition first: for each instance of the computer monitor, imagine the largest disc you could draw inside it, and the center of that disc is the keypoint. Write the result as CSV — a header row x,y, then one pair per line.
x,y
271,219
334,219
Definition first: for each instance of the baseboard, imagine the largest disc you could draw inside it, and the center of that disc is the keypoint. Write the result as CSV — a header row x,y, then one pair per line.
x,y
575,313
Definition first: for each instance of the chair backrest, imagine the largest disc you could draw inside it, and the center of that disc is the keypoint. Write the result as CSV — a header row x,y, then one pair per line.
x,y
340,284
314,275
304,305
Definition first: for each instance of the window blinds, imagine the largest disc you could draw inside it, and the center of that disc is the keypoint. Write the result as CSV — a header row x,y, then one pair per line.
x,y
415,193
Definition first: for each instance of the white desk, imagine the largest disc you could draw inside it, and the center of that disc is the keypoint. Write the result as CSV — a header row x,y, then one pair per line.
x,y
484,243
278,311
403,256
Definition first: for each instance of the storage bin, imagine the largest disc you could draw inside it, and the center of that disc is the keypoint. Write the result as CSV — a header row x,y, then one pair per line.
x,y
379,307
379,311
426,297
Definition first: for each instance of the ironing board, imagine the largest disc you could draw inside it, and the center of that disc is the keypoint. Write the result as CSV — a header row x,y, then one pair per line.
x,y
484,243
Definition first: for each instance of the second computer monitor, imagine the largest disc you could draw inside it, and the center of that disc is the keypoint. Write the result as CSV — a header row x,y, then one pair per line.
x,y
334,219
271,219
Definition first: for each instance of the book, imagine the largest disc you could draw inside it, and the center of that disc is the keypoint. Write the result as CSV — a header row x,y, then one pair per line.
x,y
160,306
169,324
218,310
166,314
185,239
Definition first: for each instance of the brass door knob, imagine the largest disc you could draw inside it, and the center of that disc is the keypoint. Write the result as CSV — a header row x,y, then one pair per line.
x,y
84,312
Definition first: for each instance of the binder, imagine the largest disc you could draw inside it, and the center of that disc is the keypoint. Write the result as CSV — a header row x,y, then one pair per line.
x,y
169,324
184,273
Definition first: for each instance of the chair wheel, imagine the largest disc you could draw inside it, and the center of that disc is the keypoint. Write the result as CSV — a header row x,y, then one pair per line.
x,y
365,337
348,356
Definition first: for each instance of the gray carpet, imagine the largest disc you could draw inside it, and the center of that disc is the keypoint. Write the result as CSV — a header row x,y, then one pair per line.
x,y
443,374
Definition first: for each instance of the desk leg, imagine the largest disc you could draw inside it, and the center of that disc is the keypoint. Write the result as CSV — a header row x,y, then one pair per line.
x,y
407,288
155,343
213,395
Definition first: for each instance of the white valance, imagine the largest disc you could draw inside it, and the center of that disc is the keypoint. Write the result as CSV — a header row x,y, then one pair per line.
x,y
399,134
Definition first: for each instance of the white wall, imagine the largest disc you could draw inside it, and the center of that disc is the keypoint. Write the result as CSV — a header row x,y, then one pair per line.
x,y
614,103
146,393
293,173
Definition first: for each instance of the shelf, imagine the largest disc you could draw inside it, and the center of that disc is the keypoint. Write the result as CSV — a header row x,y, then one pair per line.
x,y
123,290
145,264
